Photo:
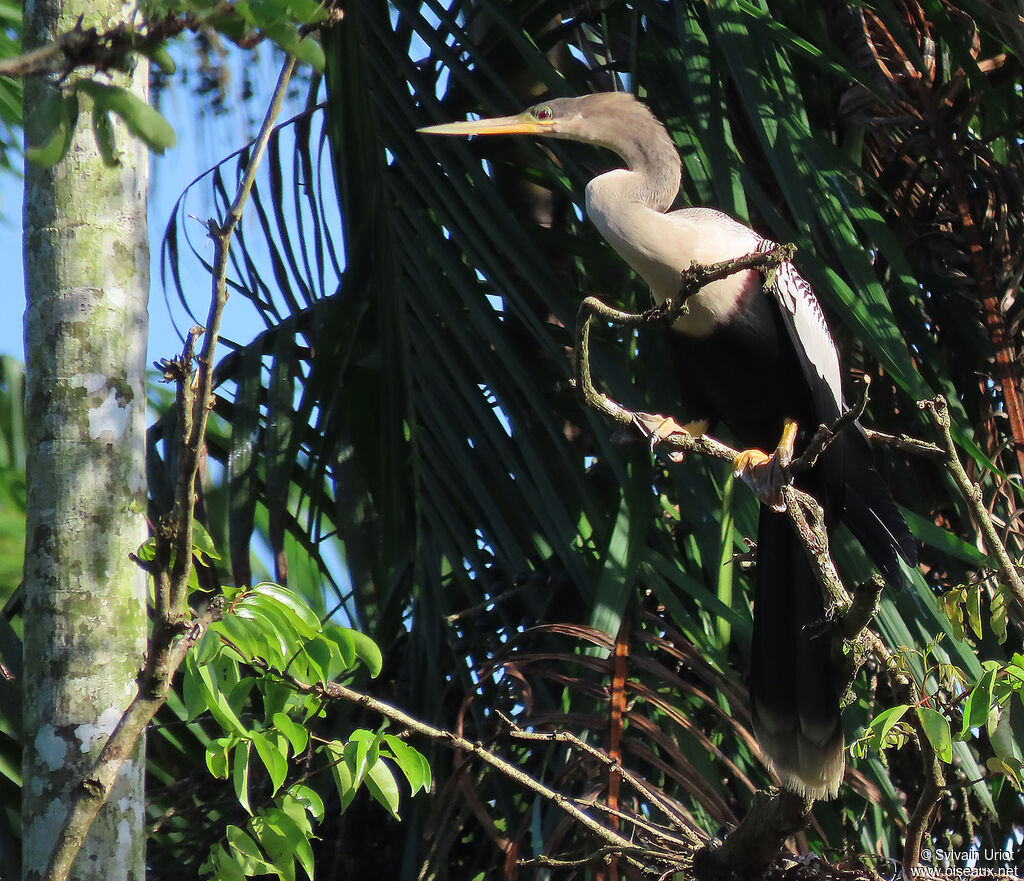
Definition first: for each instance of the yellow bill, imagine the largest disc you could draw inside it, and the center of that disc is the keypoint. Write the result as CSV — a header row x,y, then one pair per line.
x,y
521,124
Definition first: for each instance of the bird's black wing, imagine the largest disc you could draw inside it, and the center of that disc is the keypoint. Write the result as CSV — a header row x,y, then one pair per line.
x,y
866,505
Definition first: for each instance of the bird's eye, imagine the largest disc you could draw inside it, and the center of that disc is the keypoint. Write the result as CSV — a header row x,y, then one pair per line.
x,y
542,113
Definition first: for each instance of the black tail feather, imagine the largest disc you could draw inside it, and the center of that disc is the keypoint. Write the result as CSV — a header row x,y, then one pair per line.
x,y
792,676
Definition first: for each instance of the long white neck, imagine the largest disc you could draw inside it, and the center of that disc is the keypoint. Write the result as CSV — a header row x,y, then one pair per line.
x,y
627,209
654,169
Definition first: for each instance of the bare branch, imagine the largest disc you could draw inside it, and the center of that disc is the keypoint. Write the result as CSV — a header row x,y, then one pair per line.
x,y
113,48
753,845
828,433
637,783
340,692
87,47
758,839
906,444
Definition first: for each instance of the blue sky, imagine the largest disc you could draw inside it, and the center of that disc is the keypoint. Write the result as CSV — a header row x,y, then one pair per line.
x,y
203,139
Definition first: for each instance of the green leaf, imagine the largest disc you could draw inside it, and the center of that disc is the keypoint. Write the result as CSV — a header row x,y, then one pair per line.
x,y
237,695
973,604
345,642
160,56
58,116
1000,733
247,851
269,632
216,702
142,120
341,772
273,758
303,618
368,653
147,550
191,692
275,842
309,799
296,734
1009,766
936,728
305,49
383,787
361,753
296,811
225,866
296,835
411,761
242,638
217,754
324,659
883,723
979,704
206,649
203,547
240,775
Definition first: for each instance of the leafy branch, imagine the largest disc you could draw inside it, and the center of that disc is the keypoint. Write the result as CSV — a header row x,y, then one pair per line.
x,y
289,25
673,856
113,48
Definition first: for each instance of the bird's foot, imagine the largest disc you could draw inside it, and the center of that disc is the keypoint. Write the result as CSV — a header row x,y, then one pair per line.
x,y
764,474
660,428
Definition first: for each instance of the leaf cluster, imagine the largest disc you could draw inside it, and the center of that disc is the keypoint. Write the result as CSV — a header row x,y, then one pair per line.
x,y
274,746
289,25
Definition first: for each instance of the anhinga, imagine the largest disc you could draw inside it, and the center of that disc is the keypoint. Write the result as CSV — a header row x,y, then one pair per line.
x,y
759,359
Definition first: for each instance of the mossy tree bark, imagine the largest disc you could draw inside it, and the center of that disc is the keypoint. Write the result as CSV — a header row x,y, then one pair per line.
x,y
87,282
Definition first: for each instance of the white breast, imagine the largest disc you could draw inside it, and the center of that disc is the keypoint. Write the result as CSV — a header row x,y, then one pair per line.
x,y
659,247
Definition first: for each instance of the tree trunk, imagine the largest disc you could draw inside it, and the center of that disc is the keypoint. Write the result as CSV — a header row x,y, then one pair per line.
x,y
87,283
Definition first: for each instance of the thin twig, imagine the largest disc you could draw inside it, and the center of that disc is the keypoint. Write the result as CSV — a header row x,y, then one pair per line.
x,y
651,829
572,740
699,275
601,855
172,636
939,412
906,444
826,434
194,419
340,692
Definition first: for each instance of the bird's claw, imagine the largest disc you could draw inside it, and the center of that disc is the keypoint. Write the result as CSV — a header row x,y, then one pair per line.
x,y
764,474
660,428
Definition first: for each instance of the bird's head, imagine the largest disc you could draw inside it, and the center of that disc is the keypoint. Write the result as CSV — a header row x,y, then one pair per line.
x,y
601,119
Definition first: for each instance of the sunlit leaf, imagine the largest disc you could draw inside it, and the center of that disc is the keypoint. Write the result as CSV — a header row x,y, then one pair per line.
x,y
936,727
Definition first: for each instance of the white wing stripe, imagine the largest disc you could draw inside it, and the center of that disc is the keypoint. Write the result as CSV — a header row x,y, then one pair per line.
x,y
810,330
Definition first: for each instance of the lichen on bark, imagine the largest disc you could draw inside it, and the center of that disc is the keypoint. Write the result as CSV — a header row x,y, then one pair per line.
x,y
87,281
